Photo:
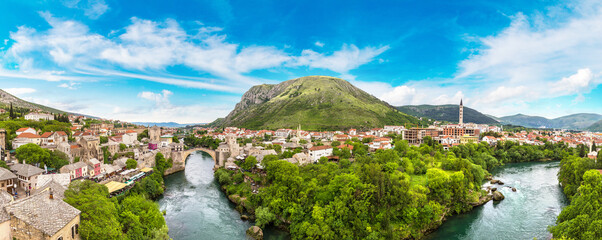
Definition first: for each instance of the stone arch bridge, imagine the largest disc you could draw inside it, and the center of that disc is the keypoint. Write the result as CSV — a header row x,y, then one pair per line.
x,y
179,161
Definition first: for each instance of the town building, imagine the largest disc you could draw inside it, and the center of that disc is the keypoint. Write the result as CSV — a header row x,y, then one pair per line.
x,y
76,170
36,116
27,175
7,180
41,216
316,152
154,134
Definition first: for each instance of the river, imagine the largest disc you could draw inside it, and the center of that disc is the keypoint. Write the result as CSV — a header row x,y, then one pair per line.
x,y
197,208
524,214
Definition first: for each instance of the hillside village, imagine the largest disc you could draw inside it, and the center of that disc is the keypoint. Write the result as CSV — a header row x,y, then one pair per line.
x,y
118,155
310,146
31,193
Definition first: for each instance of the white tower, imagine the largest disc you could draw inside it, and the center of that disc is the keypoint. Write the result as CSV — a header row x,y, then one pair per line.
x,y
461,121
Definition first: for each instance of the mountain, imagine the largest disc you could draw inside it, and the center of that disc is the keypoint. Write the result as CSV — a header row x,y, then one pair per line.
x,y
6,99
166,124
596,127
579,121
315,103
447,113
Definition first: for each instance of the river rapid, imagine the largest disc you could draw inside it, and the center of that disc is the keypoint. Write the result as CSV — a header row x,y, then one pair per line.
x,y
524,214
197,208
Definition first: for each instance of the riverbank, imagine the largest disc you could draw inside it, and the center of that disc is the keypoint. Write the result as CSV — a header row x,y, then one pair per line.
x,y
195,206
524,214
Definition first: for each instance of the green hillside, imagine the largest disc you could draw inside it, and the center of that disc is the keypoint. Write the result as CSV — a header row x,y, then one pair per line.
x,y
315,102
579,121
447,113
6,99
596,127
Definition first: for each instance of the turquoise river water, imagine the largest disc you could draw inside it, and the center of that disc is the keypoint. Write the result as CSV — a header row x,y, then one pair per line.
x,y
198,209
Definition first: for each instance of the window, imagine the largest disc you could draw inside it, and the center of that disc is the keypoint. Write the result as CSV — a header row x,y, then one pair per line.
x,y
60,238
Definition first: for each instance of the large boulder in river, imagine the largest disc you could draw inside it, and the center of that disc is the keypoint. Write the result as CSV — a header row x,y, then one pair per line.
x,y
494,181
498,196
255,232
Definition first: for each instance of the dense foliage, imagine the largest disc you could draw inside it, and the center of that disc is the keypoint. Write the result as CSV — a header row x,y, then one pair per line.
x,y
33,154
390,194
582,219
205,141
582,183
133,216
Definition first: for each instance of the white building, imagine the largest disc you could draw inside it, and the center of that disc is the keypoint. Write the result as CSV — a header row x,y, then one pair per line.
x,y
316,152
39,116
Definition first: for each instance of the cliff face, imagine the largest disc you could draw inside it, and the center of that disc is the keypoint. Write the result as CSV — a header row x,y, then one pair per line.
x,y
315,102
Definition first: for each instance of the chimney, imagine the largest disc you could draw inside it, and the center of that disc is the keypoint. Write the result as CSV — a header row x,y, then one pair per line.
x,y
50,196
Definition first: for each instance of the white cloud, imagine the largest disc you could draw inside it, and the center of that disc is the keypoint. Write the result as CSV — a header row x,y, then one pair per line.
x,y
503,93
319,44
341,61
70,85
401,95
159,98
163,110
580,82
145,49
92,8
19,91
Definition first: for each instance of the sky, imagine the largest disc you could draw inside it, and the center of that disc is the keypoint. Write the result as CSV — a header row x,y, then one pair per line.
x,y
190,61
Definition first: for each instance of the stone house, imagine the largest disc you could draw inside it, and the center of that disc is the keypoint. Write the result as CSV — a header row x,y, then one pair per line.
x,y
7,180
25,138
44,215
27,175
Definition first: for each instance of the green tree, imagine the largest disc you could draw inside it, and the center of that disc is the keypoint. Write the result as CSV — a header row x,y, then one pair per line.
x,y
131,163
103,139
582,219
99,216
335,144
141,215
249,163
175,139
122,147
263,216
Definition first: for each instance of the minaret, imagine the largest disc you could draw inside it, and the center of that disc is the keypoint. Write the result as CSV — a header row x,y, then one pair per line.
x,y
461,113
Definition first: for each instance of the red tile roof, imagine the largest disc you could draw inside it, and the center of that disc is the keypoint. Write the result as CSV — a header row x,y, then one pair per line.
x,y
28,135
22,129
316,148
46,134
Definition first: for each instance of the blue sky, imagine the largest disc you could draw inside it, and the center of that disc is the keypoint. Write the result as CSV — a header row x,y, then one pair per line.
x,y
191,61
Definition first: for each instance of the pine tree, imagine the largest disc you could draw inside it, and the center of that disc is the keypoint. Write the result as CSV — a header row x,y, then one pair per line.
x,y
11,114
594,146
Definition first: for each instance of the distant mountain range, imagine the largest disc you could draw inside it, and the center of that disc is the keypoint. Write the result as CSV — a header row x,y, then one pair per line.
x,y
315,103
166,124
579,121
449,113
